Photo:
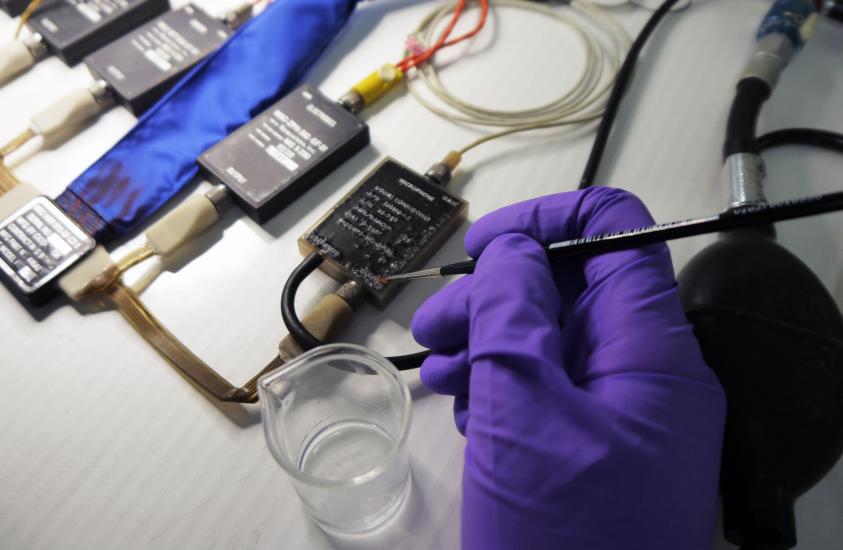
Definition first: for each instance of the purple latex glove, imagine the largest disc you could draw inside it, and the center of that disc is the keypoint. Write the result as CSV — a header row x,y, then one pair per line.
x,y
592,422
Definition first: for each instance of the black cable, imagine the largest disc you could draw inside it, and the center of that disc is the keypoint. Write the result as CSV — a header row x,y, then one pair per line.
x,y
743,117
823,139
299,332
613,104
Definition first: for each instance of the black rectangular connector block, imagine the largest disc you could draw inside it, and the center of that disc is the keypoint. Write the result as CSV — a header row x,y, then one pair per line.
x,y
284,151
13,7
72,29
391,222
142,65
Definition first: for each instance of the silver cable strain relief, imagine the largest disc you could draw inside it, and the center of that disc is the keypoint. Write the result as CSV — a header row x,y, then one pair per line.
x,y
101,92
352,101
772,55
745,174
440,173
352,292
34,42
219,196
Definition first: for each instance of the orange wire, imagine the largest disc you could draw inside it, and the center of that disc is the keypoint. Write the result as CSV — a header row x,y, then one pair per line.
x,y
417,59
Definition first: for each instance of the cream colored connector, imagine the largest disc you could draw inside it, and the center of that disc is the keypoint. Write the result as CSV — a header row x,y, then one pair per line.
x,y
326,321
94,273
15,58
70,113
183,224
16,197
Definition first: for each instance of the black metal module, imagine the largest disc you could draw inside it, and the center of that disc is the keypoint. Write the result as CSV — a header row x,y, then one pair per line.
x,y
393,221
285,151
142,65
72,29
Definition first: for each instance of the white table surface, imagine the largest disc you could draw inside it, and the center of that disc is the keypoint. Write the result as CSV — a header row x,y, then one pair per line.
x,y
104,445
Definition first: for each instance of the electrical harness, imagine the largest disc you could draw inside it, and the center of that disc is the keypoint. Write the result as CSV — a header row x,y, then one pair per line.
x,y
100,276
145,75
150,165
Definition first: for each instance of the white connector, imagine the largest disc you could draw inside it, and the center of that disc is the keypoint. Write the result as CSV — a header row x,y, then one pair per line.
x,y
71,112
183,224
15,58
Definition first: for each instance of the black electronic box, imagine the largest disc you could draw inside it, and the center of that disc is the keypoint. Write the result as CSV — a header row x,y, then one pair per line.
x,y
285,151
71,29
14,7
391,222
141,66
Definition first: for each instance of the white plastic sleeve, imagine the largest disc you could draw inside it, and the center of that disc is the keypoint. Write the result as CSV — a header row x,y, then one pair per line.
x,y
184,223
66,115
15,58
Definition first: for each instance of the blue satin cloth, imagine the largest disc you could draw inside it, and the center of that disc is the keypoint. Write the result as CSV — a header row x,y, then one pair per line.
x,y
157,158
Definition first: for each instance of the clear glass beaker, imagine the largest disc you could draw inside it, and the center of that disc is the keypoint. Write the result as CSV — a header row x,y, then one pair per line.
x,y
336,419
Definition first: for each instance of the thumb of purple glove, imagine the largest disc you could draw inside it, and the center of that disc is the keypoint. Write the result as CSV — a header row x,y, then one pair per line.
x,y
591,420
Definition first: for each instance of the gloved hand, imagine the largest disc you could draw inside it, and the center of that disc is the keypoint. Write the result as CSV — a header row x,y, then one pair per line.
x,y
592,422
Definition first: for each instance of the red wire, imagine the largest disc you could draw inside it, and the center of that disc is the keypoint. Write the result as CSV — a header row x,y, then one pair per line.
x,y
414,60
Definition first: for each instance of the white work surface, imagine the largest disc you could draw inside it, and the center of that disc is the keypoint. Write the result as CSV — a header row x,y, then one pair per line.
x,y
104,445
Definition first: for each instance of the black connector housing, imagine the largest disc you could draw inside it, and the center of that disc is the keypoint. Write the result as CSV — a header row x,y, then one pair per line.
x,y
142,65
71,29
284,151
393,221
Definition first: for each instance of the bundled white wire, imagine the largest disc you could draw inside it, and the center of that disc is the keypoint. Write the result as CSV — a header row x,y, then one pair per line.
x,y
603,40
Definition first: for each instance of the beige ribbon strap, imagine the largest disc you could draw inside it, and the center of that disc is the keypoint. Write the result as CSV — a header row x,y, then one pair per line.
x,y
176,353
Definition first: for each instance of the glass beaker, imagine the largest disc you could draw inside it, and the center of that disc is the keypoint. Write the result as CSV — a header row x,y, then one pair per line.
x,y
336,419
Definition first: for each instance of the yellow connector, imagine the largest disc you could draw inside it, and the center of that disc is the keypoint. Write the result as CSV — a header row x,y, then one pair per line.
x,y
374,86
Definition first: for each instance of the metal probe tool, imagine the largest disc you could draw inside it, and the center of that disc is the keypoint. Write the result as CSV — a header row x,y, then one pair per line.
x,y
735,218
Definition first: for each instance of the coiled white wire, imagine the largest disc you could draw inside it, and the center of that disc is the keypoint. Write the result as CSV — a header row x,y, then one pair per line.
x,y
603,40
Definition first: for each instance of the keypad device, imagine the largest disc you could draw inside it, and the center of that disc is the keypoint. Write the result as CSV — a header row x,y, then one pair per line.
x,y
38,242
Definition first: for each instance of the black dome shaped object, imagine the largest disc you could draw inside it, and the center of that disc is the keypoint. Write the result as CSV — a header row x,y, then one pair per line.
x,y
774,336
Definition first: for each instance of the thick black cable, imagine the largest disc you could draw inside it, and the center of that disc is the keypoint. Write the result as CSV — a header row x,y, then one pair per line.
x,y
622,79
304,337
743,117
824,139
297,330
